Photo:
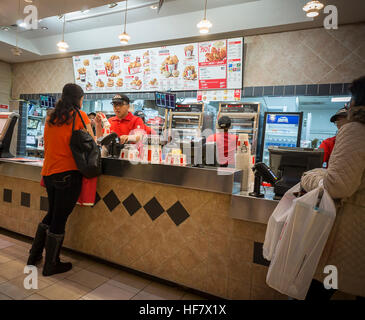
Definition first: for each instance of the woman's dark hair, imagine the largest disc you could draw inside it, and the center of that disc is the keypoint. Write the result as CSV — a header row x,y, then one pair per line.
x,y
71,96
357,89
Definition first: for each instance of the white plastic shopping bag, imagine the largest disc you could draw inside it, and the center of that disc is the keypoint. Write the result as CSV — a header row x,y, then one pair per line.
x,y
301,244
277,220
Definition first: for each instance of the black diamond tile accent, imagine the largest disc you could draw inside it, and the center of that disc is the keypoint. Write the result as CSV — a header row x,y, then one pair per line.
x,y
97,198
7,196
111,200
258,258
177,213
44,204
279,90
25,199
132,204
153,208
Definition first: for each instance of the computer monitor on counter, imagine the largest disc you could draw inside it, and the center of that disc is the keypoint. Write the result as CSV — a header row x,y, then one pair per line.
x,y
289,164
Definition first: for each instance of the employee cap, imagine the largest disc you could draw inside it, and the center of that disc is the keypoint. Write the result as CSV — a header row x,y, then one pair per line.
x,y
340,113
224,122
120,99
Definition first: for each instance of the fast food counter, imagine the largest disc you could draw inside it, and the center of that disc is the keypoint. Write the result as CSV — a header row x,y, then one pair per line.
x,y
171,222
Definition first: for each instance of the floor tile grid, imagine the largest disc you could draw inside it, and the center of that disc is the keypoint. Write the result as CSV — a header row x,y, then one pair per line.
x,y
67,279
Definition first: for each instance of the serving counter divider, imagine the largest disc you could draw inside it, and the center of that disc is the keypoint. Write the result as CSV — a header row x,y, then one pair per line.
x,y
180,224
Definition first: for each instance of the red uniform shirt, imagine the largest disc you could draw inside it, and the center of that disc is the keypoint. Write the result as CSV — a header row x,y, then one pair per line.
x,y
126,125
149,130
226,146
328,145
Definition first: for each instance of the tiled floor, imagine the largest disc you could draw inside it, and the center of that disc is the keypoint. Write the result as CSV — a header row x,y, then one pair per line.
x,y
88,280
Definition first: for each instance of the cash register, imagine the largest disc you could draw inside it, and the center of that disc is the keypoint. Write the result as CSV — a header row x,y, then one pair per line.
x,y
287,166
7,124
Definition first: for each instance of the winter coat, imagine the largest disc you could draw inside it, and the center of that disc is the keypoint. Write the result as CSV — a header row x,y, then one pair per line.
x,y
345,181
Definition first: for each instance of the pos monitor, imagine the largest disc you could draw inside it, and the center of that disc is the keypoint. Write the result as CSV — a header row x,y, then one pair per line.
x,y
165,100
289,164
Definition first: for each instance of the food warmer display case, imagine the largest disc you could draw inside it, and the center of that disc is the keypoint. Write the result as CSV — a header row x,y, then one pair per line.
x,y
245,119
187,120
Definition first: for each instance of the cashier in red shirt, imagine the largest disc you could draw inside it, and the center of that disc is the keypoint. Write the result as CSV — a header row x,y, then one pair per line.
x,y
149,130
128,127
339,119
226,143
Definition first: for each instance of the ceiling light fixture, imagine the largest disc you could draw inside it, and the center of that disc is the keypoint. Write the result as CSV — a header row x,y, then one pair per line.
x,y
5,28
62,45
125,37
17,51
154,7
205,24
44,28
113,5
312,8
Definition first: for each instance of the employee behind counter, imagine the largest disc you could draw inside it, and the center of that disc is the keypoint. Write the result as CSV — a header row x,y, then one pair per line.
x,y
127,126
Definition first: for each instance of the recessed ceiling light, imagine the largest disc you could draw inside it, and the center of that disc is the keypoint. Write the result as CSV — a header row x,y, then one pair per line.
x,y
113,5
154,7
44,28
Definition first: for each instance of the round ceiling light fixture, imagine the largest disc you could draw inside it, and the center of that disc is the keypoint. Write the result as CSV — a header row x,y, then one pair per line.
x,y
125,37
312,8
62,45
113,5
204,25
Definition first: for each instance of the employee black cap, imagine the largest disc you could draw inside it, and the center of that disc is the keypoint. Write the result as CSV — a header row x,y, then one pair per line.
x,y
224,122
120,99
340,113
140,113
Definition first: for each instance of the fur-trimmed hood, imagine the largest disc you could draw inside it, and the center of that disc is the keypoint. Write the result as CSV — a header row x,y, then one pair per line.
x,y
357,114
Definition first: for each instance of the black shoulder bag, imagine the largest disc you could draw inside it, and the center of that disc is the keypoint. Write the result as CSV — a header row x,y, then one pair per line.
x,y
85,150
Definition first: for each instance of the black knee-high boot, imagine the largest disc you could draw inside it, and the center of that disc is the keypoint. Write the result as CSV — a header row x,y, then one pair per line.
x,y
35,253
52,263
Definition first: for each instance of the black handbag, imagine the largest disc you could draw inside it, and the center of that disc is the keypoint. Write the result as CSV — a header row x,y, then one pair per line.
x,y
85,151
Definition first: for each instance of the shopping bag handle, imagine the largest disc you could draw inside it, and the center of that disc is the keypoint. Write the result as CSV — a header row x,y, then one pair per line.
x,y
319,198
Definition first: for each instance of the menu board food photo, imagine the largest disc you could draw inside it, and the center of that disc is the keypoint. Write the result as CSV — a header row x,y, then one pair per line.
x,y
211,65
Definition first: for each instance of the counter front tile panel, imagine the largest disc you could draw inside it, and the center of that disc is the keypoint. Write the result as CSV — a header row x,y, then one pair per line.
x,y
187,237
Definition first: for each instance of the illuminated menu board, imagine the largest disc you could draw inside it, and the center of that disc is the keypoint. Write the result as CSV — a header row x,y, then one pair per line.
x,y
197,66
